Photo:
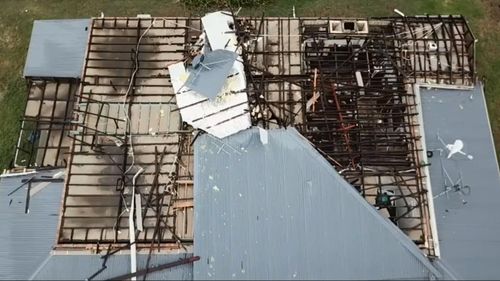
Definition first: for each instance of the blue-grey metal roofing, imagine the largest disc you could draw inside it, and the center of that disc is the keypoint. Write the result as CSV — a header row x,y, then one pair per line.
x,y
57,48
281,211
26,239
209,75
469,234
81,267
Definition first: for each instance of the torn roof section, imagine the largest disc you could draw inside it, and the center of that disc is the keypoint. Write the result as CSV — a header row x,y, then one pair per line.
x,y
83,266
208,75
465,184
26,239
269,206
57,48
211,93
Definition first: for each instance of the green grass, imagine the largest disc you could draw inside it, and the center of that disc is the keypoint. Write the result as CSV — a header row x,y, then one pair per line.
x,y
16,19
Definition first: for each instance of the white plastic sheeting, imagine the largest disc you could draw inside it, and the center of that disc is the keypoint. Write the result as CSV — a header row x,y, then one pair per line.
x,y
229,112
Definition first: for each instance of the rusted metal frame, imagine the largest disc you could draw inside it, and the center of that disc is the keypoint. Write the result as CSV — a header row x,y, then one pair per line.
x,y
405,196
414,49
401,183
33,145
69,106
156,268
323,90
343,127
115,119
72,149
183,140
422,198
255,43
141,144
449,56
101,133
133,36
462,55
116,52
95,136
29,85
94,76
470,53
129,68
280,65
155,184
290,91
157,233
103,217
247,65
454,43
425,54
137,95
358,128
438,55
390,56
142,60
127,130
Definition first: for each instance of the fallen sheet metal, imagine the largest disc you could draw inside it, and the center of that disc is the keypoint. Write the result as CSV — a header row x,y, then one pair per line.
x,y
223,112
210,74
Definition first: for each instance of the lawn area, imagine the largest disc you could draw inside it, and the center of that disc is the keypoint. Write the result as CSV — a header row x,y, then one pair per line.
x,y
16,19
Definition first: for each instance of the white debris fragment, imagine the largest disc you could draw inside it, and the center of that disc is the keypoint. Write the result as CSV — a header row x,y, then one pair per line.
x,y
229,113
312,101
264,137
210,177
456,147
152,132
240,195
359,81
215,188
461,107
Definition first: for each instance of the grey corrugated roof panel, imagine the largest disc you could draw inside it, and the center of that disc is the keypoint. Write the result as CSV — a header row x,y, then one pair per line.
x,y
57,48
26,239
208,76
469,234
81,267
281,211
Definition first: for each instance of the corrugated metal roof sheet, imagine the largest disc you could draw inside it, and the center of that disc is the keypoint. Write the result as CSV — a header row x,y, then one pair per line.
x,y
57,48
208,77
26,239
467,218
81,267
281,211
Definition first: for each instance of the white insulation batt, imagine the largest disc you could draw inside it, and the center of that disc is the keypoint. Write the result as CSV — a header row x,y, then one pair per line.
x,y
228,113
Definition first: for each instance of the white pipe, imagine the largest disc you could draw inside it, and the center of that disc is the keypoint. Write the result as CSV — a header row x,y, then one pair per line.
x,y
399,12
8,175
18,144
131,227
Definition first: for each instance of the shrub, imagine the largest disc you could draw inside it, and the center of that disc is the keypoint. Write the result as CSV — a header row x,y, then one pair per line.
x,y
218,4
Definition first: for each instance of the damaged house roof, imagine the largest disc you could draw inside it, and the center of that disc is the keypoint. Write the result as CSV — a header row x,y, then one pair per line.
x,y
269,206
227,147
466,185
57,48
